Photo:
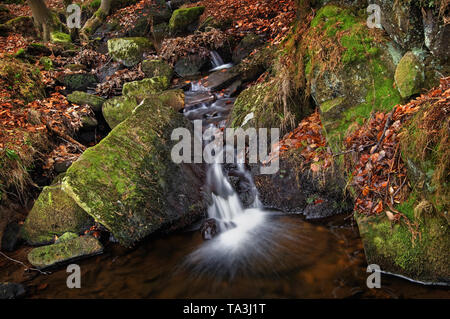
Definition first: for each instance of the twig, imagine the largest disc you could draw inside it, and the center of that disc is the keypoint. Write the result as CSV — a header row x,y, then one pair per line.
x,y
21,263
65,137
360,149
386,126
395,193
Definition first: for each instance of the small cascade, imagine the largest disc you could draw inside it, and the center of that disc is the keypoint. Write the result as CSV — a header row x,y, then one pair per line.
x,y
218,63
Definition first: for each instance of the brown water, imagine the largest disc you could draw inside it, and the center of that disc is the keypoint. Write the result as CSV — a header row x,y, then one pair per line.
x,y
307,261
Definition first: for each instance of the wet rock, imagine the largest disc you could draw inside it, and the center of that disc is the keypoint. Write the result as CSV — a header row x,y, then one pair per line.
x,y
53,214
129,183
409,75
294,190
152,68
64,251
182,18
77,81
220,79
198,98
209,229
245,47
117,109
82,98
10,290
402,20
436,34
129,51
145,87
61,167
10,237
190,65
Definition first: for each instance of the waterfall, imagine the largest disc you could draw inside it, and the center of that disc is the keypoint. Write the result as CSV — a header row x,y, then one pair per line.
x,y
218,63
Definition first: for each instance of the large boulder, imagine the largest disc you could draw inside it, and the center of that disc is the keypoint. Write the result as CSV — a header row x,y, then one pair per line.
x,y
182,18
141,89
128,51
77,81
64,251
117,109
128,181
409,75
82,98
361,83
53,214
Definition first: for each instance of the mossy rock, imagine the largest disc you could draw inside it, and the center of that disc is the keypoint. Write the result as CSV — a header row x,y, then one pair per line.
x,y
60,37
152,68
46,62
145,87
409,75
360,85
82,98
118,109
129,51
65,251
23,25
184,17
53,214
77,81
22,78
393,249
190,65
128,181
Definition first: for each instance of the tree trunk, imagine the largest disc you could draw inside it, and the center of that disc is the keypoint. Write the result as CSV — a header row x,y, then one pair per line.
x,y
96,20
41,16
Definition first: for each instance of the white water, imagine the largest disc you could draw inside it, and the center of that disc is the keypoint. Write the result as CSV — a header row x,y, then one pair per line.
x,y
217,62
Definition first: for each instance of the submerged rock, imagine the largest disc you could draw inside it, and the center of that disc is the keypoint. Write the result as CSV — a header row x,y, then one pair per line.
x,y
182,18
152,68
409,75
10,290
209,229
64,251
129,183
82,98
220,79
128,51
53,214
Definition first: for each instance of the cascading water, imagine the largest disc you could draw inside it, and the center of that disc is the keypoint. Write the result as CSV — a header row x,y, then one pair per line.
x,y
217,62
250,239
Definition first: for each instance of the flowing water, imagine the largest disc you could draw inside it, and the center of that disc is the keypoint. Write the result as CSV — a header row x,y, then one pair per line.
x,y
257,253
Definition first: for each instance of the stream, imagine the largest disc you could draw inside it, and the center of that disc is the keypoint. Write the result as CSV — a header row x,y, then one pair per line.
x,y
256,253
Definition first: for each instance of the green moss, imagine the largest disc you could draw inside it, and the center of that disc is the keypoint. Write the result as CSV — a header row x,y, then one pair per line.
x,y
128,51
60,37
118,109
409,75
46,62
80,98
141,89
182,18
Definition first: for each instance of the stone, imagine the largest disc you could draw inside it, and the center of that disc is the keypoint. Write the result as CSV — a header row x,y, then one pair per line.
x,y
194,98
129,51
220,79
153,68
409,75
143,88
128,181
190,65
10,290
77,81
117,109
82,98
182,18
53,214
245,47
66,237
209,229
64,251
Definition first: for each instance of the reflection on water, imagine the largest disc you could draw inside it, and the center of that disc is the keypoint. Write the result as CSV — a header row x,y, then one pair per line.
x,y
307,261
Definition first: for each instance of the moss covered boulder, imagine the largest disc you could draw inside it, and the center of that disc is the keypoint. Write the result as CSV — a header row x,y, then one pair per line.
x,y
145,87
392,247
361,82
182,18
118,109
53,214
129,51
409,75
153,68
64,251
128,181
190,65
82,98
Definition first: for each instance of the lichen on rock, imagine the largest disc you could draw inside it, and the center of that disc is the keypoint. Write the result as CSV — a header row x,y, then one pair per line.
x,y
409,75
129,51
